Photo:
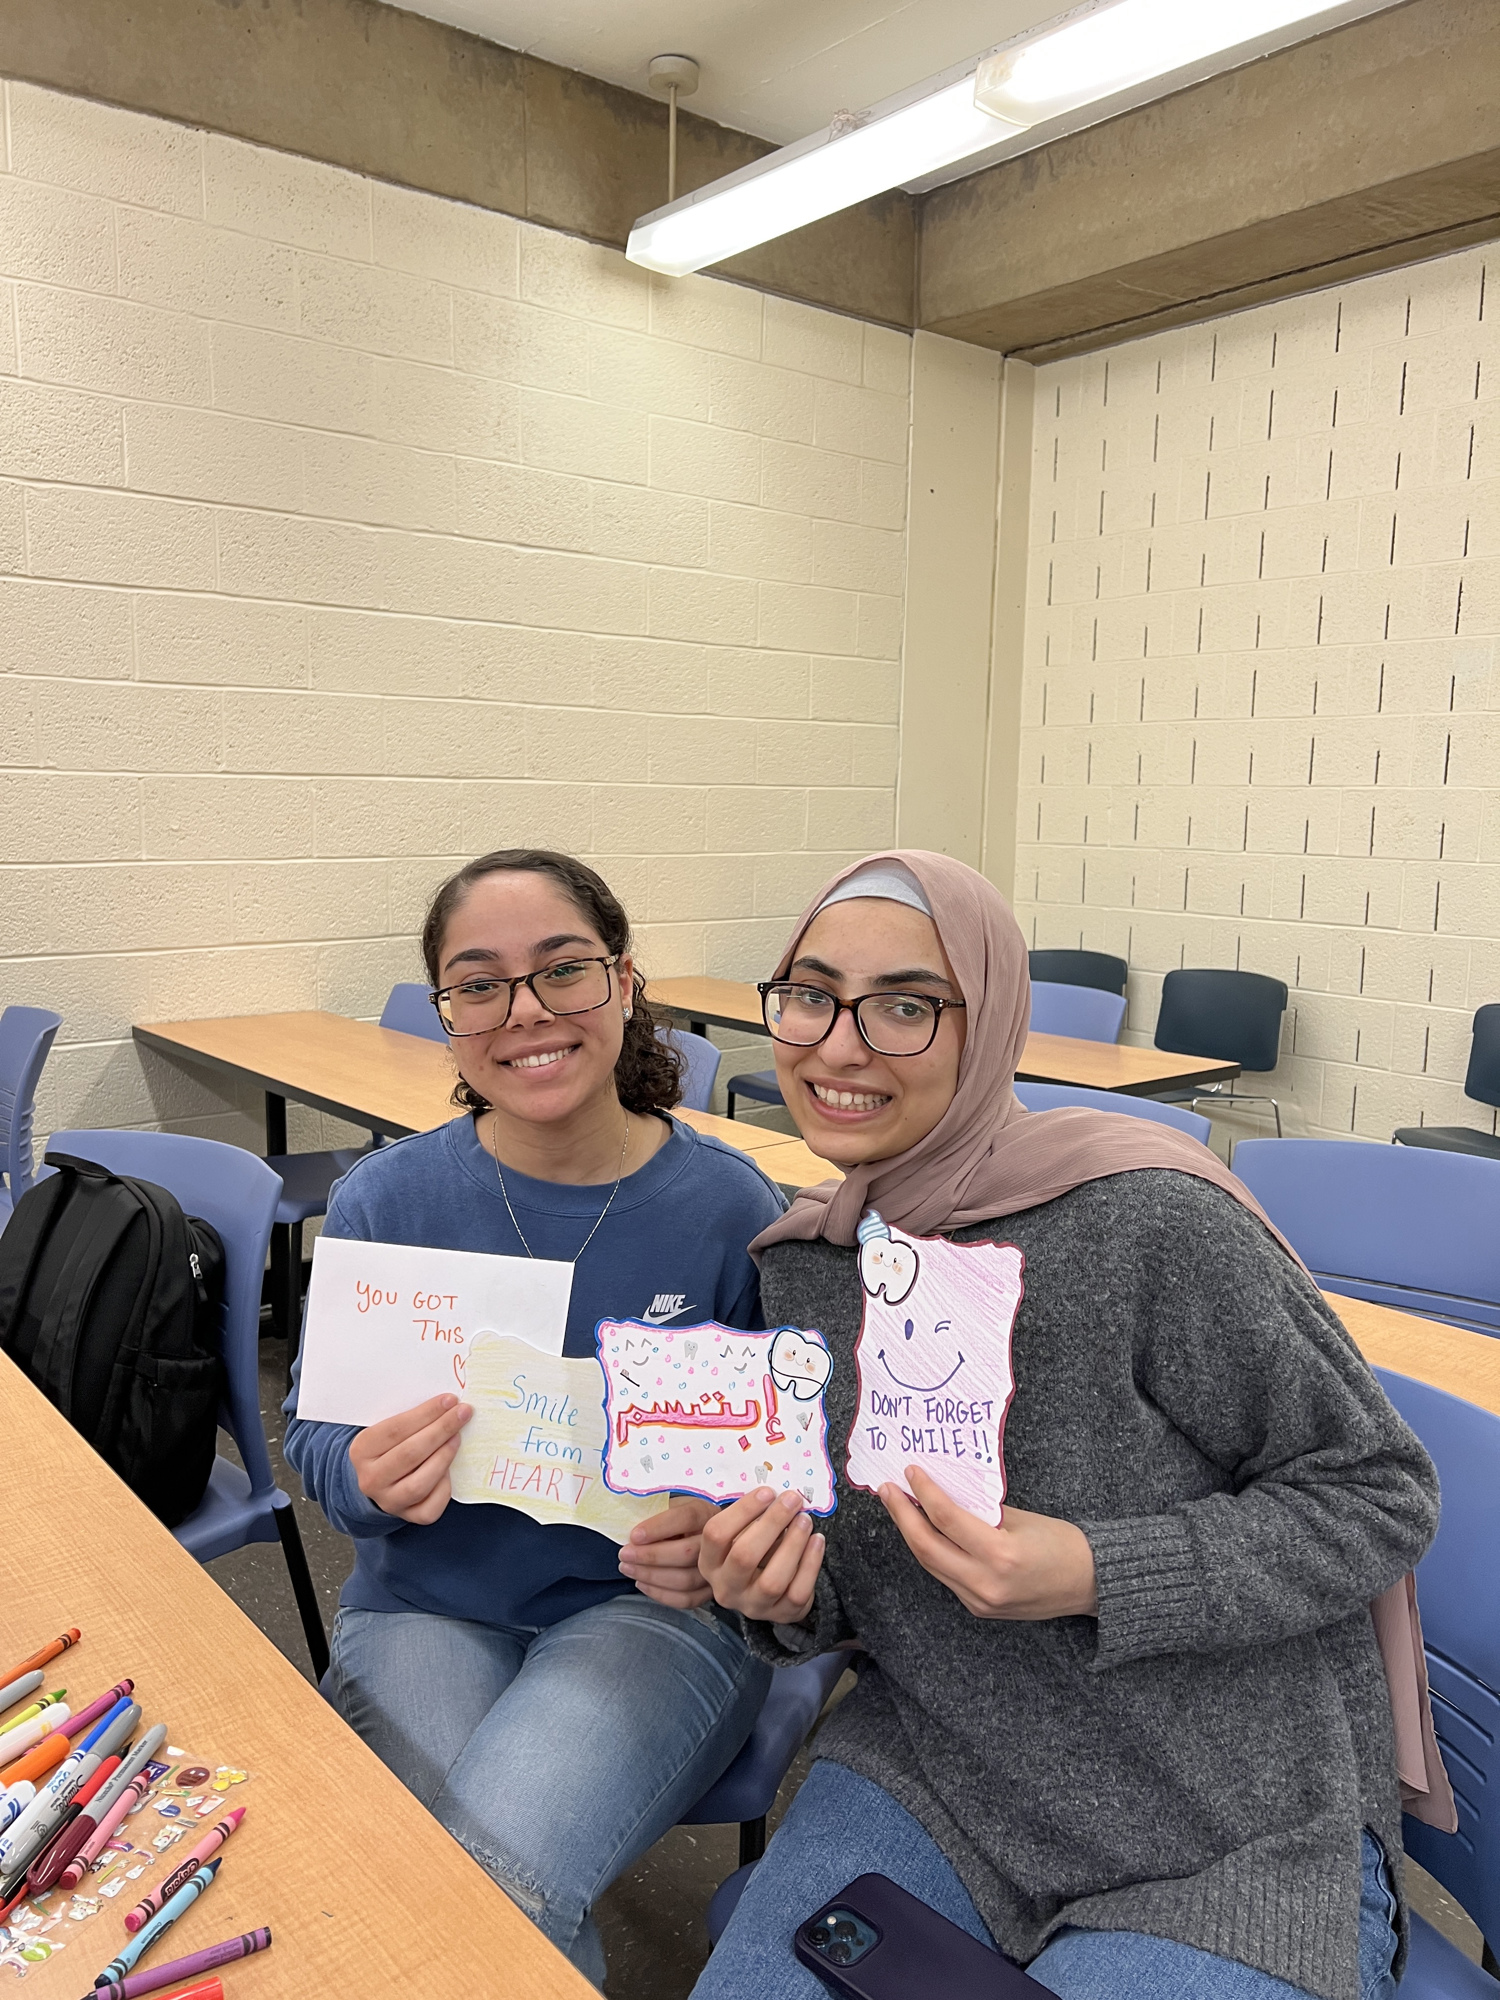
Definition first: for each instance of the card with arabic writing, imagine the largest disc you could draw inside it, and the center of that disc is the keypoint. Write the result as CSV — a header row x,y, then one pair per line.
x,y
711,1410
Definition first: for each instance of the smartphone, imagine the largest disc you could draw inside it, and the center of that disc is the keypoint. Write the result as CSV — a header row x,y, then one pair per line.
x,y
876,1942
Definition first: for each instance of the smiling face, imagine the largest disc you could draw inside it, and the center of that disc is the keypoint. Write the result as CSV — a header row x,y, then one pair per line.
x,y
850,1104
539,1067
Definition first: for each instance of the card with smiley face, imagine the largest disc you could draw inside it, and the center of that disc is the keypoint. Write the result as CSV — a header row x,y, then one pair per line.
x,y
934,1363
711,1410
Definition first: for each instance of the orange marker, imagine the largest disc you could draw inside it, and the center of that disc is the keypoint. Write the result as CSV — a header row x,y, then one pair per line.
x,y
48,1652
39,1760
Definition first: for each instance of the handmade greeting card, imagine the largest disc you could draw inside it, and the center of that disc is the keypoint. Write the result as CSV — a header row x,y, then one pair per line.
x,y
709,1410
390,1324
934,1365
536,1439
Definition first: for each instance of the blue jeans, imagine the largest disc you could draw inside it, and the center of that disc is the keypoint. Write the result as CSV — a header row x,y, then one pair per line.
x,y
840,1825
556,1757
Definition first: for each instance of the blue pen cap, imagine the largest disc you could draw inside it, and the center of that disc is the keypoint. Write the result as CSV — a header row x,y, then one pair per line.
x,y
106,1722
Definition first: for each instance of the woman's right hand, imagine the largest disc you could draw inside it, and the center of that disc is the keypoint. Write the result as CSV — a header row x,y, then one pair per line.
x,y
402,1462
760,1557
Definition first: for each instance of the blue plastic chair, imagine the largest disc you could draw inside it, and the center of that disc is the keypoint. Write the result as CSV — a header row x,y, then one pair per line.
x,y
306,1178
1085,1012
237,1193
1234,1016
1482,1084
700,1065
26,1037
1460,1602
759,1085
1407,1228
1079,968
1054,1096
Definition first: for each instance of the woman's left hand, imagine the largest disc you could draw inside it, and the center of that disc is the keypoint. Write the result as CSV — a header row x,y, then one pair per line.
x,y
1031,1566
661,1557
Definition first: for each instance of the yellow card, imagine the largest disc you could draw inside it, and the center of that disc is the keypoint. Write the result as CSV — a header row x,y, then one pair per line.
x,y
536,1439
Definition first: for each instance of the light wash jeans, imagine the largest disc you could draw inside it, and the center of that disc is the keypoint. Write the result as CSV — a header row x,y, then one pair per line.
x,y
556,1757
840,1825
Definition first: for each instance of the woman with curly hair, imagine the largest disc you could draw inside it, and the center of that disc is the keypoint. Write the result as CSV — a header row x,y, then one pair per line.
x,y
557,1701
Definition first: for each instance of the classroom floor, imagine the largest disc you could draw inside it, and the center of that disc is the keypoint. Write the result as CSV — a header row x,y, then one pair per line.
x,y
652,1918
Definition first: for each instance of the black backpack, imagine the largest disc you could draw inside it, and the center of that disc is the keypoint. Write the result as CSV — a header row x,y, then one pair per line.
x,y
109,1300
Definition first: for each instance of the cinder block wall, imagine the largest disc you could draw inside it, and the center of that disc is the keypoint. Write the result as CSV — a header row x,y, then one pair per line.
x,y
346,532
1262,684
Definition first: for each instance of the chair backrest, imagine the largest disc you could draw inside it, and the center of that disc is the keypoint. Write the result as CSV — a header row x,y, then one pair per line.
x,y
26,1035
238,1194
1056,1096
1086,1012
411,1012
1460,1608
700,1065
1080,968
1483,1080
1406,1226
1235,1016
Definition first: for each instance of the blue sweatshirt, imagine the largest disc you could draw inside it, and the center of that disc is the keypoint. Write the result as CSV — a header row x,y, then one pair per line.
x,y
672,1248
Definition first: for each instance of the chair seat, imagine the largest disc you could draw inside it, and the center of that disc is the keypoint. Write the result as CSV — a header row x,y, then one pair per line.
x,y
305,1181
1451,1139
726,1900
760,1084
1435,1969
792,1705
229,1514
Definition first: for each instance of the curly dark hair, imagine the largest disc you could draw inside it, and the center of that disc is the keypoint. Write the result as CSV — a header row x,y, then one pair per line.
x,y
648,1075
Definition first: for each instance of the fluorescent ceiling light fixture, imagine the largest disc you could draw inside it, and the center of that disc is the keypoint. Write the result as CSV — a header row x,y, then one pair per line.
x,y
1102,51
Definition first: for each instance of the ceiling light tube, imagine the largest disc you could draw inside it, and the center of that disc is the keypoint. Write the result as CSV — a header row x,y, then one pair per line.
x,y
1097,60
847,162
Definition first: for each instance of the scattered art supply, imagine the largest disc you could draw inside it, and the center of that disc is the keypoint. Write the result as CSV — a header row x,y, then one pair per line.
x,y
18,1689
102,1705
389,1324
20,1737
15,1801
45,1653
37,1762
151,1979
934,1363
47,1701
710,1410
536,1439
208,1846
50,1862
163,1921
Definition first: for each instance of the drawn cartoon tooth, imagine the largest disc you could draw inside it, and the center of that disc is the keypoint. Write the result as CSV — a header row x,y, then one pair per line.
x,y
800,1363
690,1350
885,1266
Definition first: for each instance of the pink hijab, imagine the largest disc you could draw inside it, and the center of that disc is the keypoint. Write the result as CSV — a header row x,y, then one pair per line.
x,y
988,1156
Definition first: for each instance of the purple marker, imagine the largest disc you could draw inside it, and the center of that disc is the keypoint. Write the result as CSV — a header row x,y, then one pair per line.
x,y
180,1969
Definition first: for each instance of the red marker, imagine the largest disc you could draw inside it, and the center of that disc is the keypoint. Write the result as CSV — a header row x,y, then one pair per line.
x,y
48,1652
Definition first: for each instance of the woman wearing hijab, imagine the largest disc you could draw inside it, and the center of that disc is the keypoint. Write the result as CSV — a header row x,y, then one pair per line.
x,y
1137,1735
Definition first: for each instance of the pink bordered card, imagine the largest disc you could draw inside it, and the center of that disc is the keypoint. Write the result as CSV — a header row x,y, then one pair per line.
x,y
713,1411
934,1363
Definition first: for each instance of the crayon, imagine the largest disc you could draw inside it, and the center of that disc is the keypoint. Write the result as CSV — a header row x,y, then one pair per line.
x,y
146,1936
125,1790
18,1689
45,1653
23,1840
36,1707
49,1862
20,1737
101,1705
156,1977
163,1893
37,1762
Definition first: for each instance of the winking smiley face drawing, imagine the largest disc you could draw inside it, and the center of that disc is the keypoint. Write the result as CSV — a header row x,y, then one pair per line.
x,y
934,1363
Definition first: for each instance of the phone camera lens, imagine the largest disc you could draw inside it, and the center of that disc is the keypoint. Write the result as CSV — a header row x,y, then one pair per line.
x,y
820,1934
840,1953
844,1927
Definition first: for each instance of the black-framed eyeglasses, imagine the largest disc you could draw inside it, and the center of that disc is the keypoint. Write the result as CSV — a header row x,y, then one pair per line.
x,y
481,1004
892,1024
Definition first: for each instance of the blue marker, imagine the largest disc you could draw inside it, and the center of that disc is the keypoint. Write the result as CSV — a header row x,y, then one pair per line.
x,y
15,1801
164,1919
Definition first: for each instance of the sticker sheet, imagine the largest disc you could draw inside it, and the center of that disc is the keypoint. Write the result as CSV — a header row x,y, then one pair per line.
x,y
934,1363
713,1411
536,1439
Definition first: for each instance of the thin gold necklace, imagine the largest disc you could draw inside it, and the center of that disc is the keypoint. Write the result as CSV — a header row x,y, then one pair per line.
x,y
505,1192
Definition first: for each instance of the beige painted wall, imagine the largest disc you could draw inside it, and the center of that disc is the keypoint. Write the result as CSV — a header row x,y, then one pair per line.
x,y
1262,685
346,532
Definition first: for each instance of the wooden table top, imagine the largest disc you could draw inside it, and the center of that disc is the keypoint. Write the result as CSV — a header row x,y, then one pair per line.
x,y
732,1003
1448,1357
362,1889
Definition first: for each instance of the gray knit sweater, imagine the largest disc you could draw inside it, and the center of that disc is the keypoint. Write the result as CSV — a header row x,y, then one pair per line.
x,y
1198,1762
